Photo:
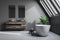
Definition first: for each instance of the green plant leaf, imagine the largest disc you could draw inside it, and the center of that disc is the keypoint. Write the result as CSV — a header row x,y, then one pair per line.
x,y
43,20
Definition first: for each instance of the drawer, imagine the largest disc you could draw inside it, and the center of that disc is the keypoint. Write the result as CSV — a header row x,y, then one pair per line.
x,y
14,27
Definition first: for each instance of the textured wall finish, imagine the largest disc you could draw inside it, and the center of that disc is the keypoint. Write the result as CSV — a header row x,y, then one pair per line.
x,y
29,5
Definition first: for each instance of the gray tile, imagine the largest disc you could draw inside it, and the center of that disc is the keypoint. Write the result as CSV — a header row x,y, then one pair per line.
x,y
24,35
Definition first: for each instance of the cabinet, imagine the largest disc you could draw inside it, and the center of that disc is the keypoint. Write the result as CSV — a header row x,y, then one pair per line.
x,y
15,25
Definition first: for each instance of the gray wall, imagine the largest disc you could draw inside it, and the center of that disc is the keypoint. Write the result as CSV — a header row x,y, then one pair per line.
x,y
32,10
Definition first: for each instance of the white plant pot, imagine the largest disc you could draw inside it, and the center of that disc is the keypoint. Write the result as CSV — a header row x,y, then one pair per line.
x,y
42,30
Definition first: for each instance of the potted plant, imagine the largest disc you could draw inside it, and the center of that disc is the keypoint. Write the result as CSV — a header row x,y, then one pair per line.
x,y
43,20
43,29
